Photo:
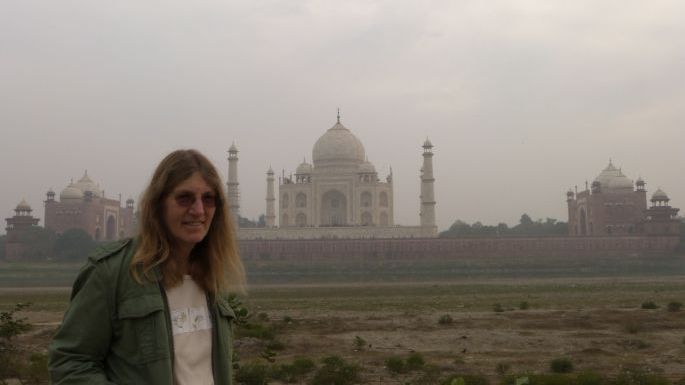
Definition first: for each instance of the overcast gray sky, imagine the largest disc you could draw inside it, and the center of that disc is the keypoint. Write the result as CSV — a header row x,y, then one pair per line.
x,y
522,99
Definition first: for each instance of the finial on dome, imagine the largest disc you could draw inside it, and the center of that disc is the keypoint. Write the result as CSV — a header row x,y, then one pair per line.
x,y
338,114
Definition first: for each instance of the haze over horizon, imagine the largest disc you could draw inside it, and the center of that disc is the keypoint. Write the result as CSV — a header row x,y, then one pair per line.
x,y
522,100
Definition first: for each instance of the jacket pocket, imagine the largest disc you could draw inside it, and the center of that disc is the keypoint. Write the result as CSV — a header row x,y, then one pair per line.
x,y
143,335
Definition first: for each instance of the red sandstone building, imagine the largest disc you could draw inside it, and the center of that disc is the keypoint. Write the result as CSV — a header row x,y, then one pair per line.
x,y
83,205
17,226
613,207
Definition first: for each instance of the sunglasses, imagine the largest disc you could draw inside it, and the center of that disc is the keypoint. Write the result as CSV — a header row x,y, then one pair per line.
x,y
188,199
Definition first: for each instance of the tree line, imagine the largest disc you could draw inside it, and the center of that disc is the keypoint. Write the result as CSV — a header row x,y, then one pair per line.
x,y
41,244
526,227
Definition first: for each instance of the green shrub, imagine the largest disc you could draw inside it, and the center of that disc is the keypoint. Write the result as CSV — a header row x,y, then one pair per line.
x,y
639,377
561,365
335,371
649,305
10,327
467,379
253,373
524,305
590,378
260,331
415,361
293,372
287,319
395,365
275,345
498,308
445,319
359,343
675,306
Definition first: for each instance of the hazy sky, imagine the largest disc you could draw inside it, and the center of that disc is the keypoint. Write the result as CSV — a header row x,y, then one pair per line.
x,y
522,99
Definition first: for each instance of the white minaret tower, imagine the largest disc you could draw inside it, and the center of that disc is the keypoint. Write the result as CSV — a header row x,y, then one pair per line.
x,y
427,180
270,199
232,185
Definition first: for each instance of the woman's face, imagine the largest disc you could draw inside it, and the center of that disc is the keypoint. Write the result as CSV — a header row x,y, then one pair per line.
x,y
188,211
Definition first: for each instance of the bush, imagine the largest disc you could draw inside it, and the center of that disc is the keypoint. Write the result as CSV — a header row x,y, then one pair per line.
x,y
359,343
275,345
253,373
293,372
498,308
395,365
10,327
649,305
675,306
561,365
445,319
468,379
524,305
335,371
415,361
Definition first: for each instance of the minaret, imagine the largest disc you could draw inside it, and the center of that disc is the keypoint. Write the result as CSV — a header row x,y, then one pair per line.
x,y
427,180
270,199
232,185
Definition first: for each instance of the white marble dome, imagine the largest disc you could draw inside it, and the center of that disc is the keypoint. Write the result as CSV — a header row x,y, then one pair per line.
x,y
71,192
611,178
338,147
304,168
86,184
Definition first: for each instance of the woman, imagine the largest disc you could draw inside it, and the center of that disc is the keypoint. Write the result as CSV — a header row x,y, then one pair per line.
x,y
153,310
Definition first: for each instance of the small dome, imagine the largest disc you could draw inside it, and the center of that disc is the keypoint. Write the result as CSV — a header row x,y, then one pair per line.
x,y
71,192
23,206
303,168
338,147
611,178
427,144
659,195
367,168
233,148
640,181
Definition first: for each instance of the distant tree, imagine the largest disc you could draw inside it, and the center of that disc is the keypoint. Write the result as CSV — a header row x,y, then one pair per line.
x,y
3,239
73,245
39,242
526,227
251,223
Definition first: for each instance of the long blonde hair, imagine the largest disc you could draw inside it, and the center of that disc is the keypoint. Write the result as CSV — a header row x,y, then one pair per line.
x,y
214,262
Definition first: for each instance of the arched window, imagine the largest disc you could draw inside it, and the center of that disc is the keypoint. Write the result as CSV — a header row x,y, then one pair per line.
x,y
285,200
383,199
366,199
384,219
366,219
111,228
301,220
301,200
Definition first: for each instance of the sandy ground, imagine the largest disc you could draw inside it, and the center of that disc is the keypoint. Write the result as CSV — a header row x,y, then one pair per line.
x,y
600,336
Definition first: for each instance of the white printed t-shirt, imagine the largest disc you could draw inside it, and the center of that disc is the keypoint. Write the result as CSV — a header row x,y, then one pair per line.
x,y
191,326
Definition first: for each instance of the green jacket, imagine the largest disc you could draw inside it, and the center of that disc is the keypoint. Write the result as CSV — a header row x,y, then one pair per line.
x,y
117,331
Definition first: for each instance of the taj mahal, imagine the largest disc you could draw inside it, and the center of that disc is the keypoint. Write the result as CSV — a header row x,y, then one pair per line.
x,y
338,195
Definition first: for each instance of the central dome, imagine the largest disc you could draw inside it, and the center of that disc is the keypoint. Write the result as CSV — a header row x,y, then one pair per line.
x,y
338,147
611,178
